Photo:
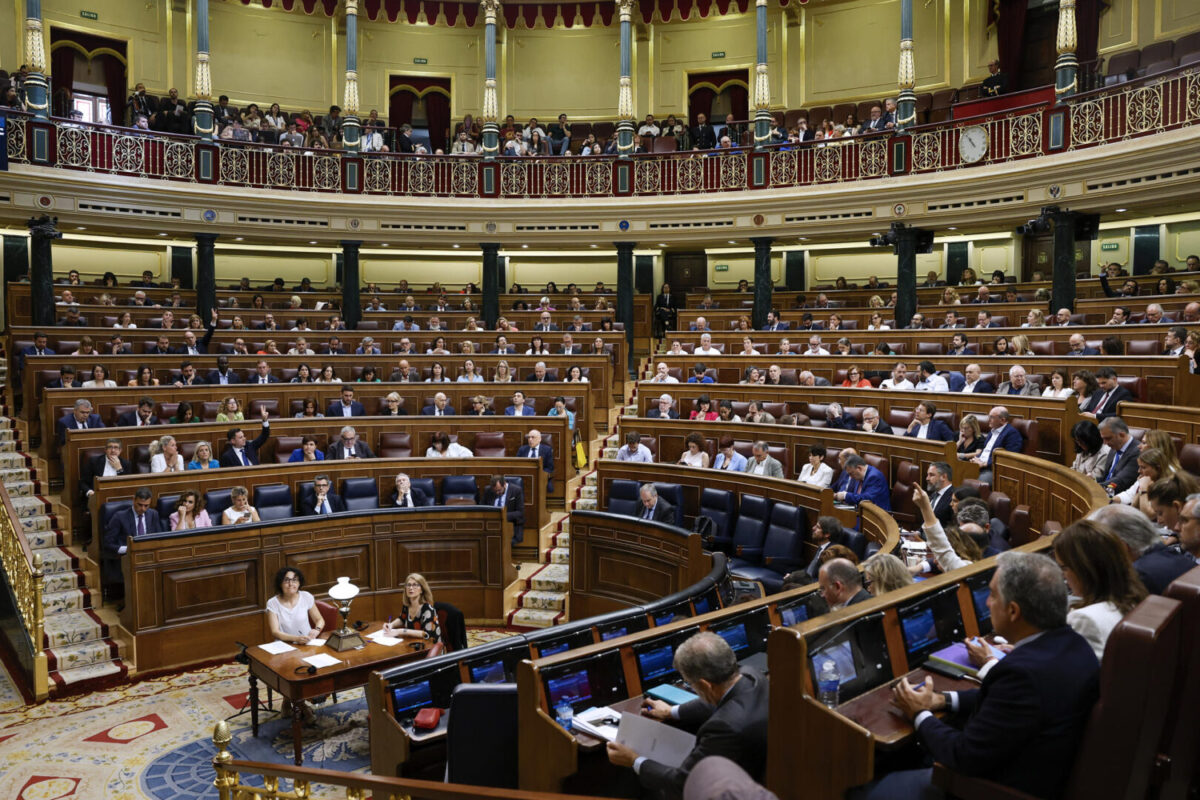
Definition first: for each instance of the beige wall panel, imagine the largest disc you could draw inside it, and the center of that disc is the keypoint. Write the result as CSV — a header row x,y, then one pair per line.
x,y
1119,237
688,47
1183,240
254,57
555,71
141,25
857,266
262,268
123,259
969,35
1174,18
10,43
843,65
1118,26
420,273
989,257
740,267
533,275
389,49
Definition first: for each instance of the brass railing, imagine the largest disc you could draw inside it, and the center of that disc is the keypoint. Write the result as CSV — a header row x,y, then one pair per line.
x,y
357,786
23,569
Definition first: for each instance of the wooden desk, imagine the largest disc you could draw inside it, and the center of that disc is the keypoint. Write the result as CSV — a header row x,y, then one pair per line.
x,y
875,712
280,673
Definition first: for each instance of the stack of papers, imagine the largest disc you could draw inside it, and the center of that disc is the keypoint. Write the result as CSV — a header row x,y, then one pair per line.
x,y
387,641
600,722
276,647
321,660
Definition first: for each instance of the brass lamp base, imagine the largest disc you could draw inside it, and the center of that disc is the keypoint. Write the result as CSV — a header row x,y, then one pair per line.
x,y
344,639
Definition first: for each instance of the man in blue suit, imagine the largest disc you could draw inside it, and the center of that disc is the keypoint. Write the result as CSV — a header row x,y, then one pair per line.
x,y
868,483
1022,727
844,482
535,449
518,407
509,496
1002,437
38,348
1078,346
347,407
81,417
137,520
323,500
924,426
441,407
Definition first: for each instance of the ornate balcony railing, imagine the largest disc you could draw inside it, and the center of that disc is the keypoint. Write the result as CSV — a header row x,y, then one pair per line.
x,y
1121,112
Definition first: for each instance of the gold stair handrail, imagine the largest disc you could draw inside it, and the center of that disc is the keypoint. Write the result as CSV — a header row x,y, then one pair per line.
x,y
24,570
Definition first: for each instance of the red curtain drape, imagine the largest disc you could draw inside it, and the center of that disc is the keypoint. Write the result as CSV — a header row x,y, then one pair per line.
x,y
739,101
437,108
1010,33
62,80
1087,29
400,108
700,101
116,85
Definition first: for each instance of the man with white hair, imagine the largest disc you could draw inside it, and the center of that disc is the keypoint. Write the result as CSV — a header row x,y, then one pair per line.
x,y
1017,383
1156,564
701,324
706,348
665,408
814,346
1154,314
661,374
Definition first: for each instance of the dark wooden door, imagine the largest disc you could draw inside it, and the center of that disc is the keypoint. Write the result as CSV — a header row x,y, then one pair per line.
x,y
686,271
1038,52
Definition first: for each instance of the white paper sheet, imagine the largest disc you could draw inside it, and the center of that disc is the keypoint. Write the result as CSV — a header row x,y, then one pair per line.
x,y
653,739
276,647
387,641
592,721
316,642
322,660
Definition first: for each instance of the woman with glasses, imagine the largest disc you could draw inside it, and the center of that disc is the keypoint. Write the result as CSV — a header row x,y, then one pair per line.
x,y
418,617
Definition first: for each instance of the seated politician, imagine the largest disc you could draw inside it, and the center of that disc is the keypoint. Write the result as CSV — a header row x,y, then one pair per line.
x,y
1022,727
654,507
323,500
867,483
418,617
405,495
137,520
509,496
729,719
348,445
307,451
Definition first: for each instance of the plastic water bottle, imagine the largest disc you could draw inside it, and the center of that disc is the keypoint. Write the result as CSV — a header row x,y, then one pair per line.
x,y
564,715
828,681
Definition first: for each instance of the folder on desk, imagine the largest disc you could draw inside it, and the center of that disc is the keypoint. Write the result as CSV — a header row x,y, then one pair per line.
x,y
671,694
956,658
653,739
600,722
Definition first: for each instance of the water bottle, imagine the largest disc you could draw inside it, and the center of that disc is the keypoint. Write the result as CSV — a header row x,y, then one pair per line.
x,y
828,681
564,715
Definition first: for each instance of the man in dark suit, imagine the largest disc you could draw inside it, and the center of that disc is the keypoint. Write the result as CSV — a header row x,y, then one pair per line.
x,y
1156,564
666,309
1021,728
1062,318
868,484
974,383
405,495
533,448
1120,469
518,407
995,83
1001,436
959,346
81,417
38,348
223,375
774,323
1077,345
404,373
262,373
664,409
66,379
1104,403
502,494
539,374
826,532
544,325
348,445
241,453
138,520
147,281
940,489
193,347
835,417
440,408
729,719
347,406
841,584
703,135
984,320
654,507
925,426
323,500
872,423
106,464
141,416
334,346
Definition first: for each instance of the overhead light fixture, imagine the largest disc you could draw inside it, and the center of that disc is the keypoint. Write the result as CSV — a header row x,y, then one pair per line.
x,y
314,241
162,234
595,246
524,247
662,244
80,228
803,239
385,244
239,238
1121,210
951,228
455,246
733,241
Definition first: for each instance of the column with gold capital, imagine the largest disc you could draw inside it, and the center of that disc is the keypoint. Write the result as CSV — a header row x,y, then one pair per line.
x,y
906,102
625,94
490,145
762,88
202,115
351,127
1066,67
36,87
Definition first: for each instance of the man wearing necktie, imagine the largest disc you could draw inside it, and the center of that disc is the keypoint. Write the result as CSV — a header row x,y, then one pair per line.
x,y
262,373
38,348
241,453
406,495
1112,394
324,501
80,418
653,507
440,407
134,522
509,496
535,449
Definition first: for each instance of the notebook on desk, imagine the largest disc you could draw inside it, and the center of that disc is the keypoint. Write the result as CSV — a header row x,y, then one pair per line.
x,y
671,694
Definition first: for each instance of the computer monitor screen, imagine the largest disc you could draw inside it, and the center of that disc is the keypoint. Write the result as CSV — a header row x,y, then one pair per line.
x,y
623,626
409,698
655,665
488,672
798,609
551,645
680,610
709,601
554,649
442,683
978,584
746,633
597,680
735,637
859,649
613,633
930,623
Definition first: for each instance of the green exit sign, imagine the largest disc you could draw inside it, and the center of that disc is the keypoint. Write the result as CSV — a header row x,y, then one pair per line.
x,y
718,54
1110,246
89,15
721,268
420,60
